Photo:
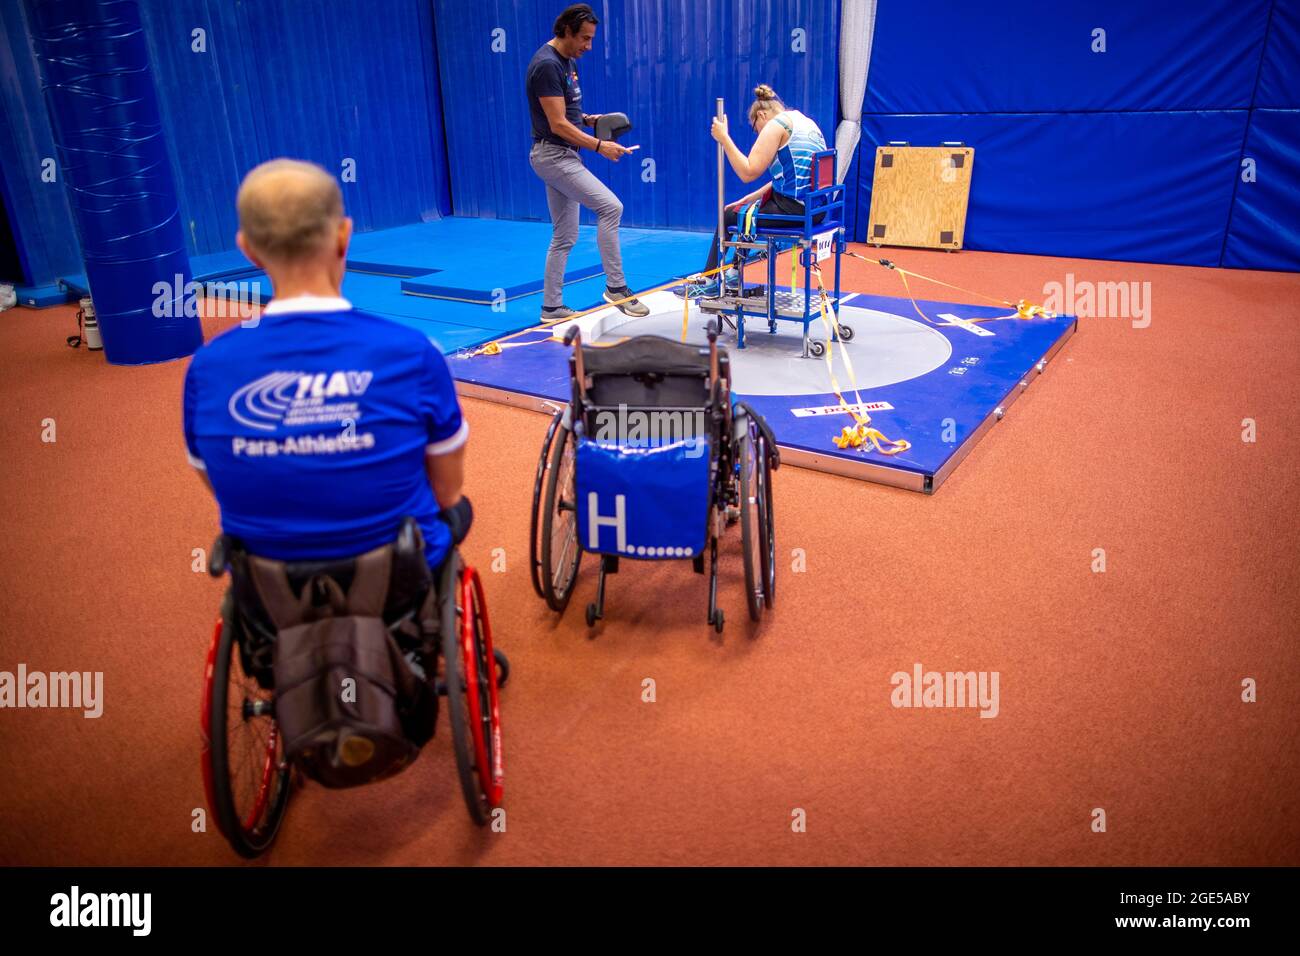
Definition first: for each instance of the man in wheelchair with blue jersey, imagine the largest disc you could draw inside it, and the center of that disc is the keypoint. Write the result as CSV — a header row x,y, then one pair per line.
x,y
319,427
334,443
316,426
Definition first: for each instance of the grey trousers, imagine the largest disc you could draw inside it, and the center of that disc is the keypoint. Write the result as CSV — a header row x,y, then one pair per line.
x,y
570,185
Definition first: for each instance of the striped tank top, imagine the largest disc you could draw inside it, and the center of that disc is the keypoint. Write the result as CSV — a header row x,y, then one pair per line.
x,y
791,169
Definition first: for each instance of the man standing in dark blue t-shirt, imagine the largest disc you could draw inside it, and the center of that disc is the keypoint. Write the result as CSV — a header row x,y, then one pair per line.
x,y
555,107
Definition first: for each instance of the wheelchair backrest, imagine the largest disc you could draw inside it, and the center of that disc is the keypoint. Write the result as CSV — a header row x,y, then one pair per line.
x,y
823,169
385,582
650,372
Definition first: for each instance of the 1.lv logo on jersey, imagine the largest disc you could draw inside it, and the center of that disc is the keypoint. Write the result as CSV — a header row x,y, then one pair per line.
x,y
323,385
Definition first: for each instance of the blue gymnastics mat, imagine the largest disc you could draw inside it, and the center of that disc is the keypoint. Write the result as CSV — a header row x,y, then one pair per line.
x,y
463,261
940,387
494,258
449,325
471,258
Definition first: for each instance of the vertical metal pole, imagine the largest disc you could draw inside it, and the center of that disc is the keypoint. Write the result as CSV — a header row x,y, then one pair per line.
x,y
721,202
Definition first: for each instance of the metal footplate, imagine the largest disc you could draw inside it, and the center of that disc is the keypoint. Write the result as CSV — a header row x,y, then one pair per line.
x,y
789,305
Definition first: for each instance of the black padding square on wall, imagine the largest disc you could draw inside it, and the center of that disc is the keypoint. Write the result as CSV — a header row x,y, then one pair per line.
x,y
945,236
886,160
877,231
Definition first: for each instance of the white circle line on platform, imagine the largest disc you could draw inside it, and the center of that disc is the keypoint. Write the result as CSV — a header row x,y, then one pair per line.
x,y
886,349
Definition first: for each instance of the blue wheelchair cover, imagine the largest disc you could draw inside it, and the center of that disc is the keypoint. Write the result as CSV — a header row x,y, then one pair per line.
x,y
647,502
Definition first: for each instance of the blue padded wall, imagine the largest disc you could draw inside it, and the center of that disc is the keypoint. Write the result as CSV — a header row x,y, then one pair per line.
x,y
317,79
1264,231
312,79
1148,187
1279,73
1133,153
663,62
38,211
1021,56
103,108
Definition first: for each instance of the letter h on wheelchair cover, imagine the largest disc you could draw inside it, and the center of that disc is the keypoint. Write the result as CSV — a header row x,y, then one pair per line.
x,y
645,495
332,667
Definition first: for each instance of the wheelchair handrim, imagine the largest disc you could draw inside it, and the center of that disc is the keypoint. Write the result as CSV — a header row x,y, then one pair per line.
x,y
255,828
535,519
751,522
560,576
456,682
567,466
479,665
767,522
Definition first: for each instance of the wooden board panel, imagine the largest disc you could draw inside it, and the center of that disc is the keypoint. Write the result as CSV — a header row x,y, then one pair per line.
x,y
919,196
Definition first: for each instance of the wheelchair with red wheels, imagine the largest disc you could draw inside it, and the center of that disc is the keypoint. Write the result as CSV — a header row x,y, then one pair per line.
x,y
425,639
623,475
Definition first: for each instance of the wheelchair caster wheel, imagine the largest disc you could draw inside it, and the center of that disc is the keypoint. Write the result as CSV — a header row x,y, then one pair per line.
x,y
592,616
846,333
816,349
503,667
718,620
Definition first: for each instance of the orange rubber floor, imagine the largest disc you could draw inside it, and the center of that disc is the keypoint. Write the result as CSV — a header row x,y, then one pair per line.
x,y
1119,690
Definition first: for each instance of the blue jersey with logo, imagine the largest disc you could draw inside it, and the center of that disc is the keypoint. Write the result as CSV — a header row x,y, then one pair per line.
x,y
791,167
313,429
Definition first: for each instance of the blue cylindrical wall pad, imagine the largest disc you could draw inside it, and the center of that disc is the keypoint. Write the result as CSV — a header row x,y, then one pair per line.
x,y
112,153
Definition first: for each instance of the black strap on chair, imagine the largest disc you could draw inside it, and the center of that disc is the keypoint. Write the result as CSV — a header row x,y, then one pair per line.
x,y
319,593
386,582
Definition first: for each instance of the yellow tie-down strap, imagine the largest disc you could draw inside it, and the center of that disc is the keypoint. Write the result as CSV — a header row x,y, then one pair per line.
x,y
1024,309
861,433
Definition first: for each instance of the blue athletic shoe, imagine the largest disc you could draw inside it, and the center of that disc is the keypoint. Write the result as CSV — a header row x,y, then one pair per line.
x,y
698,287
708,289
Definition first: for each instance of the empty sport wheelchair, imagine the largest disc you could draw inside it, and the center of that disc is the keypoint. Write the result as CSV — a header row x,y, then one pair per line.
x,y
649,461
362,648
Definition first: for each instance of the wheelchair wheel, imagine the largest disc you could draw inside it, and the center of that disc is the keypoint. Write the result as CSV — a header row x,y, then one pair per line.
x,y
561,552
472,682
752,506
245,775
539,485
766,521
